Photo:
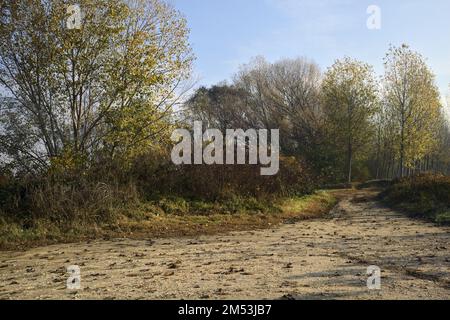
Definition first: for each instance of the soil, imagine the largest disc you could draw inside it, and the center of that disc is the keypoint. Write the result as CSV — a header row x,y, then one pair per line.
x,y
324,258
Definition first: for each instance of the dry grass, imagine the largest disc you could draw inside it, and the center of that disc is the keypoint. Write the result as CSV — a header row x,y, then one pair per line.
x,y
424,196
150,221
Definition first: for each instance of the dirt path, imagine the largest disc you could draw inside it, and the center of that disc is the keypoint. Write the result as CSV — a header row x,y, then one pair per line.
x,y
317,259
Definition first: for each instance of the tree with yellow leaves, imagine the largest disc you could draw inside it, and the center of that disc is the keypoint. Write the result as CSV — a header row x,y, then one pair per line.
x,y
350,101
106,85
413,105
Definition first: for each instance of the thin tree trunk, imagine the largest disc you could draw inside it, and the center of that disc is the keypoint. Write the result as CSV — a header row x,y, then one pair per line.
x,y
350,161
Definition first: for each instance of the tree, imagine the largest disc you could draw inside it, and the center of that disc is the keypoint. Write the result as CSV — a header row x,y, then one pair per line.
x,y
285,95
294,93
221,106
253,79
350,101
106,87
412,99
383,155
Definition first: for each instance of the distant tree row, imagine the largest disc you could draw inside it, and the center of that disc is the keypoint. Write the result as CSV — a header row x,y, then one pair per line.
x,y
346,123
106,93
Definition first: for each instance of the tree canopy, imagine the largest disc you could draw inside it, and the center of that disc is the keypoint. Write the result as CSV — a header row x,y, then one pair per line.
x,y
105,88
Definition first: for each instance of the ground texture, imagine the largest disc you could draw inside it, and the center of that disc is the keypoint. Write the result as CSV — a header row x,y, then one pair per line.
x,y
324,258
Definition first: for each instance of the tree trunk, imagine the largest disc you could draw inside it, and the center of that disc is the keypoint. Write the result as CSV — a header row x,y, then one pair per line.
x,y
402,159
350,161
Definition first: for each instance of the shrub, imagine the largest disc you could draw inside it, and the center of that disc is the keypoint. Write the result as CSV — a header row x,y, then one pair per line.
x,y
64,201
96,194
425,195
221,182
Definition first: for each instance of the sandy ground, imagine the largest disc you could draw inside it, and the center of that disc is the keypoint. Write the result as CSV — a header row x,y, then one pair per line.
x,y
317,259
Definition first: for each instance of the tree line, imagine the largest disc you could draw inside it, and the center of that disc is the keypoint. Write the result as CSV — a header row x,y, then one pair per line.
x,y
87,114
347,123
107,94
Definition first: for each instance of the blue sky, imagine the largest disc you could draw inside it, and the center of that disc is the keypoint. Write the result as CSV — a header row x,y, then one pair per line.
x,y
227,33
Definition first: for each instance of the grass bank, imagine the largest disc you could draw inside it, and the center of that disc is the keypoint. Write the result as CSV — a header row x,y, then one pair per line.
x,y
423,196
169,217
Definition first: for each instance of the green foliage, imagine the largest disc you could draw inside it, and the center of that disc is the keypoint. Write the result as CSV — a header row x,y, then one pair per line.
x,y
443,217
232,205
350,101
